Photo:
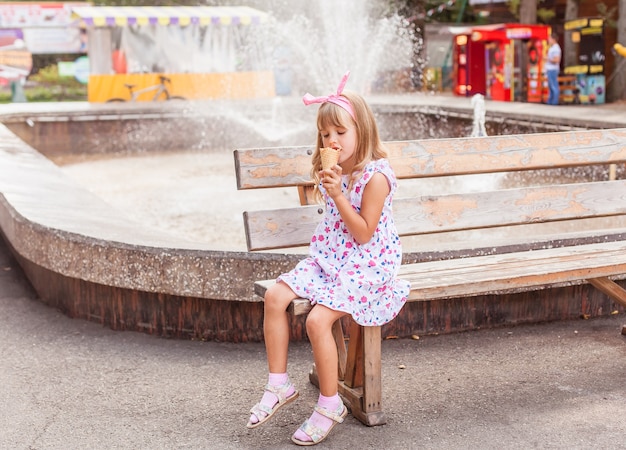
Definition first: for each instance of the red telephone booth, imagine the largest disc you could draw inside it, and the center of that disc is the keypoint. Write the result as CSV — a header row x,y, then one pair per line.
x,y
503,61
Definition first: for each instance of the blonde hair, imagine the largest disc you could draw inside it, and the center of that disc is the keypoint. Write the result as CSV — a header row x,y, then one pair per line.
x,y
368,144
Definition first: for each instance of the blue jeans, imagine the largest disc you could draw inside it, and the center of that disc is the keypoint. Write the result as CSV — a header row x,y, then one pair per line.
x,y
553,86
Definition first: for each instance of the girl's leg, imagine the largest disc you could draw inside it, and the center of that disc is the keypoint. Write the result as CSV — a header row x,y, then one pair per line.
x,y
276,334
276,326
319,330
319,325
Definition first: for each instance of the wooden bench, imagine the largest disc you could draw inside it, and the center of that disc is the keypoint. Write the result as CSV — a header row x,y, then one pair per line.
x,y
524,260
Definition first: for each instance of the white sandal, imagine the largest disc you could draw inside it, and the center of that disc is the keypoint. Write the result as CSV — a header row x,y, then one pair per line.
x,y
316,433
264,412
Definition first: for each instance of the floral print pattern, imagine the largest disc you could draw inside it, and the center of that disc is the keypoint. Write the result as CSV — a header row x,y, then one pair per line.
x,y
340,273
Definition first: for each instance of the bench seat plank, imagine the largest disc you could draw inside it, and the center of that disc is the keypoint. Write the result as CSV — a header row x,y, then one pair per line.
x,y
514,271
511,272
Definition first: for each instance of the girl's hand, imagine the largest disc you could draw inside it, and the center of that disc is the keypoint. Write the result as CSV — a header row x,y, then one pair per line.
x,y
331,180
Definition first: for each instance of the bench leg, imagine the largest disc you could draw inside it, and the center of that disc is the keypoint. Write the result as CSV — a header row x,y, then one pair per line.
x,y
341,349
613,290
362,387
610,288
360,382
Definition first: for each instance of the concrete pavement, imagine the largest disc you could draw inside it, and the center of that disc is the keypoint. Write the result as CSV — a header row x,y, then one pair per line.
x,y
71,384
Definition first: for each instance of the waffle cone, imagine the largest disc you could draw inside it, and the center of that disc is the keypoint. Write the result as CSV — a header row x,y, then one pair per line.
x,y
330,157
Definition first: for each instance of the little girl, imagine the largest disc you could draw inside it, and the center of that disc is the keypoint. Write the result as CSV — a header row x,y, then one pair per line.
x,y
353,261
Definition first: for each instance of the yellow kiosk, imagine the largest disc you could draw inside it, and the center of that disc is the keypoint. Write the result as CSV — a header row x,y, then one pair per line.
x,y
194,52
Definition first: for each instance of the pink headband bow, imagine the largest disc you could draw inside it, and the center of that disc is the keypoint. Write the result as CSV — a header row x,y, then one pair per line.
x,y
337,98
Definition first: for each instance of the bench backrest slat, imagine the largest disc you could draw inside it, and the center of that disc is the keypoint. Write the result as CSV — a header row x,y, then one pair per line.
x,y
273,167
290,166
292,227
281,228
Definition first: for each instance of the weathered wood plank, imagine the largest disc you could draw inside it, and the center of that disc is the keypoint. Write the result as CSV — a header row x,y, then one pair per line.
x,y
294,227
354,364
342,354
281,228
467,277
261,286
273,167
372,373
290,166
513,272
539,204
610,288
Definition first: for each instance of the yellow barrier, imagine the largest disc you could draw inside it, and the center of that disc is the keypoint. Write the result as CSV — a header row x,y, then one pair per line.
x,y
232,85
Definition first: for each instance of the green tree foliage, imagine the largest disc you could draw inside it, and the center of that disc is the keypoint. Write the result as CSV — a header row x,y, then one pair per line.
x,y
47,85
460,12
544,15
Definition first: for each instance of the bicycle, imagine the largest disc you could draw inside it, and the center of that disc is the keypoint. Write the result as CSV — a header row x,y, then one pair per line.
x,y
162,92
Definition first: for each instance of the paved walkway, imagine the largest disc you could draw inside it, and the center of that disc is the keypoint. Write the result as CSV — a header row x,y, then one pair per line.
x,y
71,384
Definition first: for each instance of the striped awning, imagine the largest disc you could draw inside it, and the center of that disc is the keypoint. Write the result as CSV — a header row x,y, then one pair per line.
x,y
119,16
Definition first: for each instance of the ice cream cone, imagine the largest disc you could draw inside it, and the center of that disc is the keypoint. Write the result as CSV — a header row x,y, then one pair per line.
x,y
330,157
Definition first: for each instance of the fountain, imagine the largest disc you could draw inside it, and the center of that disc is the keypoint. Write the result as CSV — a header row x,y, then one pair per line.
x,y
319,44
309,51
181,202
478,124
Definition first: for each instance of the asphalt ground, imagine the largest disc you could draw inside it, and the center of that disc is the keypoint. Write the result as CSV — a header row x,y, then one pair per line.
x,y
72,384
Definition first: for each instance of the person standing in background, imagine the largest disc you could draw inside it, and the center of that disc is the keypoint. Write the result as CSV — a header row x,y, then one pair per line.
x,y
553,67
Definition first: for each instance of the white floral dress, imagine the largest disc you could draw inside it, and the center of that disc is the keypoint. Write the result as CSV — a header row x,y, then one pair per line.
x,y
344,275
